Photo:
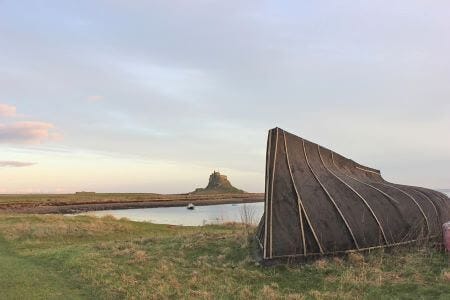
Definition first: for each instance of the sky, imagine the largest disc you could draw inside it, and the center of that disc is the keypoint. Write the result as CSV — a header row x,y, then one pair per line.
x,y
152,96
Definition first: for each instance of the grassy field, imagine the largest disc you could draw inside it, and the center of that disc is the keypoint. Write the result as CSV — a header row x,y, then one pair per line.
x,y
64,199
54,257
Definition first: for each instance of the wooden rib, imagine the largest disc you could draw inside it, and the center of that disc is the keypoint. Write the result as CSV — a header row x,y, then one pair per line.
x,y
360,196
432,203
366,170
331,198
366,184
260,245
438,216
440,195
271,193
266,204
415,201
296,192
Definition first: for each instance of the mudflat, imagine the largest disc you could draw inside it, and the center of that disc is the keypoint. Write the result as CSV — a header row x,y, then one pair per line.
x,y
81,202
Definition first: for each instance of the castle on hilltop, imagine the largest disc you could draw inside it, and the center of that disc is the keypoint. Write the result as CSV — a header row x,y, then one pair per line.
x,y
219,184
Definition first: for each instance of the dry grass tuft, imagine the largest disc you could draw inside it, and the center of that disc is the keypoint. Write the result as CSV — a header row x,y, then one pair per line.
x,y
338,261
319,295
108,218
268,292
356,259
140,256
245,293
331,278
200,295
295,297
128,280
446,276
321,263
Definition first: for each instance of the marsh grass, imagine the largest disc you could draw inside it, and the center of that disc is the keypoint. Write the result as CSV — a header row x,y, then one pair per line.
x,y
105,258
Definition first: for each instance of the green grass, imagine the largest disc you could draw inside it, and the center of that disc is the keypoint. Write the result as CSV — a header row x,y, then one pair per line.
x,y
21,276
56,257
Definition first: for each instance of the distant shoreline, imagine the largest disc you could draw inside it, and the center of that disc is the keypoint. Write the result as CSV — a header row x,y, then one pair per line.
x,y
64,206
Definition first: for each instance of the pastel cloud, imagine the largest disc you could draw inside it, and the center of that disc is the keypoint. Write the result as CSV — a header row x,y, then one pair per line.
x,y
94,98
15,164
7,110
27,132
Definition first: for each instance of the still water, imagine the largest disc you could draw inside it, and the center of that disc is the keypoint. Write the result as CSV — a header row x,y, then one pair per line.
x,y
201,215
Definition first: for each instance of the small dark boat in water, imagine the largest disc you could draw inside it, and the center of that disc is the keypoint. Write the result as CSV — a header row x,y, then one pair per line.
x,y
190,206
318,202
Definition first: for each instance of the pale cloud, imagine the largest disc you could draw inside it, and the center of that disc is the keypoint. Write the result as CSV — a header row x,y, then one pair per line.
x,y
7,110
25,132
28,132
95,98
15,164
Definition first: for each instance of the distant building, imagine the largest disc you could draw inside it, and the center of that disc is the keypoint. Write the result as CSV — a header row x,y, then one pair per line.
x,y
219,184
85,193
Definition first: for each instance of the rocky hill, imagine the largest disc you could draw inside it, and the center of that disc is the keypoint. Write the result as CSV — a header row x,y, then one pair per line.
x,y
218,184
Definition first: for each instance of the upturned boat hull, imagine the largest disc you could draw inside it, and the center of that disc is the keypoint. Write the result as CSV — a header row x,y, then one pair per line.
x,y
318,202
